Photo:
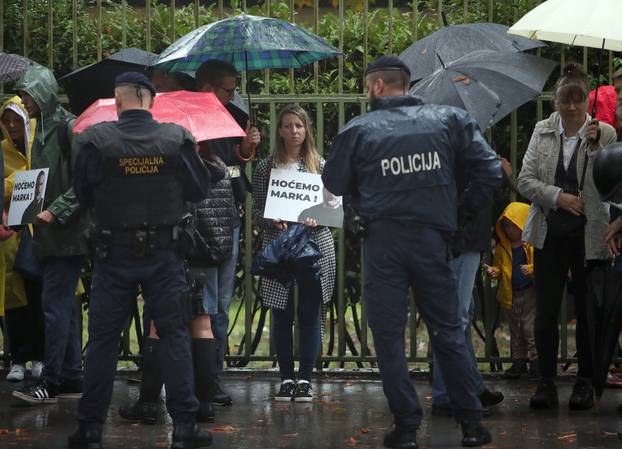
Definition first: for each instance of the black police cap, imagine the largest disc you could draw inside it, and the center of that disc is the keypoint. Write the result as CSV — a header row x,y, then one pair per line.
x,y
134,79
384,63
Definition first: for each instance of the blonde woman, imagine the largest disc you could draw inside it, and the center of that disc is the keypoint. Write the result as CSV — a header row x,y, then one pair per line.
x,y
295,150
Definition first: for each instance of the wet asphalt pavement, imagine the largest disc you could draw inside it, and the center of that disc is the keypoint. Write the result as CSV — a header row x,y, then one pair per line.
x,y
344,414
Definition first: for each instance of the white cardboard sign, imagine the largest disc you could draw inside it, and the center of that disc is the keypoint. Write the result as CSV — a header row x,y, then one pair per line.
x,y
295,196
28,195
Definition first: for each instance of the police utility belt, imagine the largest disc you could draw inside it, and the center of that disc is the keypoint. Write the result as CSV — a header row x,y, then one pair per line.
x,y
142,241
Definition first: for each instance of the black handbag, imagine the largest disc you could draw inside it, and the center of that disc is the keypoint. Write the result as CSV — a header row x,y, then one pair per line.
x,y
26,262
560,222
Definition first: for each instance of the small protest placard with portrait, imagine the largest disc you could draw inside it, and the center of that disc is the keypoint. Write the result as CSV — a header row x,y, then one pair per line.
x,y
296,196
27,197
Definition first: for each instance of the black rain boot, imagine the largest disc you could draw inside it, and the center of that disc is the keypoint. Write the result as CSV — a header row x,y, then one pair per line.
x,y
187,435
146,408
86,436
204,361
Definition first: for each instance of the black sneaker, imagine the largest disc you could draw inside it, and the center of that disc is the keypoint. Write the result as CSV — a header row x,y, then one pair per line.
x,y
582,397
221,397
515,371
70,389
446,410
286,393
304,392
401,438
474,434
545,396
490,398
41,393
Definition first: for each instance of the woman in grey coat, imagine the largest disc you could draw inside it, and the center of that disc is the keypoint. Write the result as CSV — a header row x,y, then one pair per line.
x,y
566,223
295,150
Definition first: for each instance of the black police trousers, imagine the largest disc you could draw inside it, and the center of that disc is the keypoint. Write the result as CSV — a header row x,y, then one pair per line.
x,y
116,279
398,255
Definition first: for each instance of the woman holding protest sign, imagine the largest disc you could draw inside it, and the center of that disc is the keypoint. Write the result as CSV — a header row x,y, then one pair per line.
x,y
295,150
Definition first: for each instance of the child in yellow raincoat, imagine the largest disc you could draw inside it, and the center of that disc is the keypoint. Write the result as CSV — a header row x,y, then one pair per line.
x,y
20,300
513,267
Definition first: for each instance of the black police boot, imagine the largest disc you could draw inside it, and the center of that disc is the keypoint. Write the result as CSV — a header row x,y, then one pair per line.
x,y
515,371
582,397
401,437
545,396
490,398
146,408
187,435
474,434
86,436
204,360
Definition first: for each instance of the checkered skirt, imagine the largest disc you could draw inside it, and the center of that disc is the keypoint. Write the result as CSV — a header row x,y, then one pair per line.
x,y
274,294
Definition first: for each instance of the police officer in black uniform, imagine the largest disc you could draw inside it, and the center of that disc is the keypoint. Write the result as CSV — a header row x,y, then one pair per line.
x,y
136,175
400,161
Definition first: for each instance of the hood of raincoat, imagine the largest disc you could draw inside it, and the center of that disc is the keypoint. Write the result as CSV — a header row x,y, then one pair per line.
x,y
15,105
502,263
515,212
40,84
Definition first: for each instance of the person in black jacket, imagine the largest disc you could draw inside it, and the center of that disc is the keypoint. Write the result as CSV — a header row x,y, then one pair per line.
x,y
136,175
216,219
401,161
221,78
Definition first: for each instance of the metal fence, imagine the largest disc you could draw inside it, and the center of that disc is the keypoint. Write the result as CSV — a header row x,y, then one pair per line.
x,y
347,333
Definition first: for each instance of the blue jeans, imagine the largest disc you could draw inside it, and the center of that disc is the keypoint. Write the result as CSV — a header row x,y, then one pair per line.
x,y
115,279
219,284
399,255
465,268
63,354
308,319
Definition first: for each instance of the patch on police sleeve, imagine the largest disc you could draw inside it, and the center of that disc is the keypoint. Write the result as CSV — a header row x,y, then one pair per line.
x,y
234,171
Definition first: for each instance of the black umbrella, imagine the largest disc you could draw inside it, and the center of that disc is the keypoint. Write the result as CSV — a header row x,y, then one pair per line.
x,y
292,254
12,66
488,84
95,81
604,317
454,41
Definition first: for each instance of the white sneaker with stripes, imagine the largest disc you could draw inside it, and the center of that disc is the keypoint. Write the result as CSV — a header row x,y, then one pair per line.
x,y
41,393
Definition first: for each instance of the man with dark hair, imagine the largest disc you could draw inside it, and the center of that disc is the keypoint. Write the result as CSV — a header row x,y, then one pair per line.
x,y
136,175
220,78
400,162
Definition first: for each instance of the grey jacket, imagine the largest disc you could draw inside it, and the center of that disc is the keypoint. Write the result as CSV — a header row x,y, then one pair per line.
x,y
536,182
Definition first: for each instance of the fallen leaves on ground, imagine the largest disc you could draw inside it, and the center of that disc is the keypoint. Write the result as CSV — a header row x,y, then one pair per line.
x,y
609,434
224,429
568,437
4,432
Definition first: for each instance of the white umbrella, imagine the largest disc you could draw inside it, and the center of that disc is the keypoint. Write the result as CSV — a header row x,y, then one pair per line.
x,y
586,23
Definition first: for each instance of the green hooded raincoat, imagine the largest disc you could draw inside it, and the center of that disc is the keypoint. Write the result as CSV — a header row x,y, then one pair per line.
x,y
64,236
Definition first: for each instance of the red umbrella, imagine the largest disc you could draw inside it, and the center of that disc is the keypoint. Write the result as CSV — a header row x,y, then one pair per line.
x,y
199,112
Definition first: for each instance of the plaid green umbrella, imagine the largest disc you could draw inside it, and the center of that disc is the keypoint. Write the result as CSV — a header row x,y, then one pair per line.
x,y
247,42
